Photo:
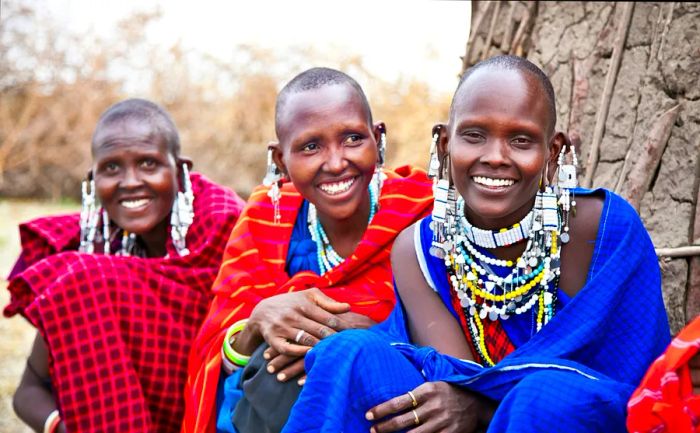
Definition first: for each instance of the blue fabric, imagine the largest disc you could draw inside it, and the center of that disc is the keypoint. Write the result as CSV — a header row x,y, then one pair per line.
x,y
576,374
302,254
300,257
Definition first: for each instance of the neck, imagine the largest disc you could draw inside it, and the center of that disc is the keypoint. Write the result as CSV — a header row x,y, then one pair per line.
x,y
345,234
501,222
155,240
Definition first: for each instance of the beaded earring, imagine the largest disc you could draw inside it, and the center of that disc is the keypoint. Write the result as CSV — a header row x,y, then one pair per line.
x,y
272,178
182,215
444,211
382,148
105,233
434,164
88,217
566,181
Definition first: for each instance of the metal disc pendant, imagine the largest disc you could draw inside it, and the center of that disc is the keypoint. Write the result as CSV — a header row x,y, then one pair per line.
x,y
564,238
493,315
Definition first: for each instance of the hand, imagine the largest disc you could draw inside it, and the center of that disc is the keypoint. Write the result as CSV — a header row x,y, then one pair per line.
x,y
288,367
355,320
694,365
439,407
292,323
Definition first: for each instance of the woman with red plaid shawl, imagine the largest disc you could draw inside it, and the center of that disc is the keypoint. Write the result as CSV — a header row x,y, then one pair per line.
x,y
118,292
307,258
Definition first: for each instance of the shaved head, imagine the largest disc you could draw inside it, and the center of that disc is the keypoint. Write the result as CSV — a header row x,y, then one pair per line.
x,y
516,63
142,110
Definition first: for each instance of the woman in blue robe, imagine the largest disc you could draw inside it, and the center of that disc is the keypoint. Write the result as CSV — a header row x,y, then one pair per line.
x,y
525,304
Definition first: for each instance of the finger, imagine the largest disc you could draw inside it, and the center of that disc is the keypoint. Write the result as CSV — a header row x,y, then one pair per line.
x,y
279,362
291,370
403,421
326,322
270,353
284,347
399,404
302,380
327,303
312,328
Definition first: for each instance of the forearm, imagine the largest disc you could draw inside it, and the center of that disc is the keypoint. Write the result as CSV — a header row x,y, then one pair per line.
x,y
33,402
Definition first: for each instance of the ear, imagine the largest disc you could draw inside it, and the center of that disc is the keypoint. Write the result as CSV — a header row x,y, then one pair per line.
x,y
441,130
184,160
559,143
278,156
378,129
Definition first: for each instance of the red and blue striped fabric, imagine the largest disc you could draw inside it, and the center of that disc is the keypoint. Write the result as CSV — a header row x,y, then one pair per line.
x,y
254,269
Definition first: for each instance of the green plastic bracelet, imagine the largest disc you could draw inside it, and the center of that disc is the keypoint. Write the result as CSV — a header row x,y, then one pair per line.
x,y
231,354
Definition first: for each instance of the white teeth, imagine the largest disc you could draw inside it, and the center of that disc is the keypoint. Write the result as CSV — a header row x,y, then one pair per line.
x,y
493,182
133,204
338,187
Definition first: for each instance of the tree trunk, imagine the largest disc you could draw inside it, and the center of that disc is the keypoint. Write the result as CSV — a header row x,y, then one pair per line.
x,y
619,70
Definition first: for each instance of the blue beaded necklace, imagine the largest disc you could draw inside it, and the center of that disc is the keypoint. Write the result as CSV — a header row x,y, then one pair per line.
x,y
327,257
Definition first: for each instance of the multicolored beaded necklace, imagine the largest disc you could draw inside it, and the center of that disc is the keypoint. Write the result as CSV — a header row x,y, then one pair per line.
x,y
532,279
327,257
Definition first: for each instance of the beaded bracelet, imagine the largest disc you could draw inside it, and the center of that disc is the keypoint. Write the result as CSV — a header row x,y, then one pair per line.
x,y
229,352
52,422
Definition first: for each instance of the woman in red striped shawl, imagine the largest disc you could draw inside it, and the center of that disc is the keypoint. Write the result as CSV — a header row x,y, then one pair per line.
x,y
307,258
118,292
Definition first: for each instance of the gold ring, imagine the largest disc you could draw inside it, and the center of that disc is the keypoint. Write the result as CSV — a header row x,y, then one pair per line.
x,y
415,416
413,397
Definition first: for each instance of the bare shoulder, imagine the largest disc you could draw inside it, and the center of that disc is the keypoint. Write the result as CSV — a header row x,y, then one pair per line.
x,y
577,254
585,222
404,262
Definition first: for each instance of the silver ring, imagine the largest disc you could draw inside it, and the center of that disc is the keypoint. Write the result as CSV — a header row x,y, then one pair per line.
x,y
299,335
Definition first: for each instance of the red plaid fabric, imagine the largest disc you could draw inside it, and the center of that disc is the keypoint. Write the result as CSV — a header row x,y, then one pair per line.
x,y
496,340
119,329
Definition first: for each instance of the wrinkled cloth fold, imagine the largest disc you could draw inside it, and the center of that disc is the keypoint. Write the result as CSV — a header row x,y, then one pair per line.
x,y
119,329
664,401
254,269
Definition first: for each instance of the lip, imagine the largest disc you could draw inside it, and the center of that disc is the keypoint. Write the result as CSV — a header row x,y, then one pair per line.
x,y
146,202
493,188
338,183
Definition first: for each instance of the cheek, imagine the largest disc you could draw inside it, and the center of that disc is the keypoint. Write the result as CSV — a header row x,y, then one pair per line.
x,y
104,191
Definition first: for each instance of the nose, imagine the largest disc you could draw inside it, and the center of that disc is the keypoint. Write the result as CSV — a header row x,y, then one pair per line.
x,y
495,153
131,179
335,160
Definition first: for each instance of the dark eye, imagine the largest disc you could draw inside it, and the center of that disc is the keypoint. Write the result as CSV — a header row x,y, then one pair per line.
x,y
310,147
473,136
148,163
521,142
353,139
110,167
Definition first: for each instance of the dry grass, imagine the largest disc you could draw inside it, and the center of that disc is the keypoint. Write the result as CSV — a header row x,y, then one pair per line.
x,y
51,97
16,333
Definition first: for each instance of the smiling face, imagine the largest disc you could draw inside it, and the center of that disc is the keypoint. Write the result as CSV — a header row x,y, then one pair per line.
x,y
499,140
136,177
328,149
